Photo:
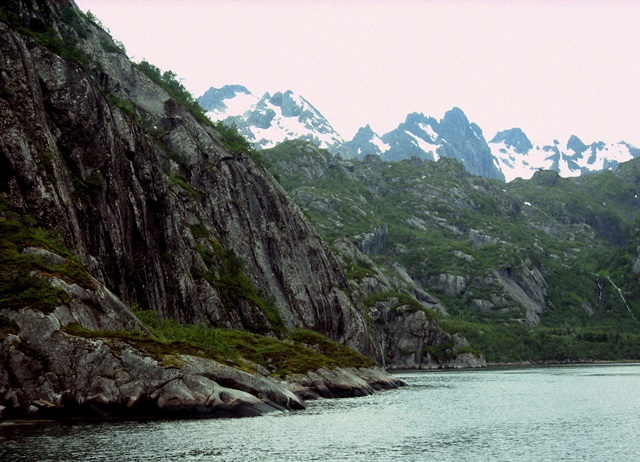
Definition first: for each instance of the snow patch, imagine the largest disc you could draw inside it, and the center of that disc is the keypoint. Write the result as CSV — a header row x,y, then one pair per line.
x,y
236,106
381,145
428,129
424,145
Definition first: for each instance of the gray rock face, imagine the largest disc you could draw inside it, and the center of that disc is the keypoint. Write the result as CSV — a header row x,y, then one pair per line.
x,y
342,383
46,372
147,195
373,242
406,328
413,340
450,284
163,216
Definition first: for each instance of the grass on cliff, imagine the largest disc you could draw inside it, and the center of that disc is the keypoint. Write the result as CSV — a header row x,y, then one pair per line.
x,y
302,351
21,281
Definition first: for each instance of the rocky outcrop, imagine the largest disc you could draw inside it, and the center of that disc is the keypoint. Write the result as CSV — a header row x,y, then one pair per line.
x,y
404,316
413,340
342,383
493,251
47,371
91,358
373,242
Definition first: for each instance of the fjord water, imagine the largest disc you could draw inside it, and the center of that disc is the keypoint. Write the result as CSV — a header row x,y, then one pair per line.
x,y
529,414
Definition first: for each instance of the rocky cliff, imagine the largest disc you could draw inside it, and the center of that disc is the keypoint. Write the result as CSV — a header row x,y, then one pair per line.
x,y
157,212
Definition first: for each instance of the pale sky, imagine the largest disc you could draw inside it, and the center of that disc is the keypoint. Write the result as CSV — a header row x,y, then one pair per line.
x,y
552,68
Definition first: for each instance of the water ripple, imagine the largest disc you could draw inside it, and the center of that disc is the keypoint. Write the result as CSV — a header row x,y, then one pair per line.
x,y
535,414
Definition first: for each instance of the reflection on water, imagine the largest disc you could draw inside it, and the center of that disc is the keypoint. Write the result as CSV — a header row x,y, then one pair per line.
x,y
551,413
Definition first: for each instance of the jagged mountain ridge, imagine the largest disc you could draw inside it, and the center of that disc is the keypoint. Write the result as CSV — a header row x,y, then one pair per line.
x,y
519,157
508,155
270,119
286,116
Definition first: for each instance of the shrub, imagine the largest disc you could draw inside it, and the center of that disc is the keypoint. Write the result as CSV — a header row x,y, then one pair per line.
x,y
168,80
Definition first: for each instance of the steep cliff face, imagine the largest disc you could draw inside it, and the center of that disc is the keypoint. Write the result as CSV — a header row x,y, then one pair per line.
x,y
144,192
154,211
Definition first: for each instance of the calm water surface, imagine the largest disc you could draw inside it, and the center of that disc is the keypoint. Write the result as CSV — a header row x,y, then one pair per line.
x,y
538,414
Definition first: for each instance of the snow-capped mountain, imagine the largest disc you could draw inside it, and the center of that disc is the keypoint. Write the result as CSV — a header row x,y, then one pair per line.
x,y
228,101
365,142
517,156
425,137
271,119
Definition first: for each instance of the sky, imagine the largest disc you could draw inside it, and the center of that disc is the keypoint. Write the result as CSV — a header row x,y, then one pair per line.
x,y
551,68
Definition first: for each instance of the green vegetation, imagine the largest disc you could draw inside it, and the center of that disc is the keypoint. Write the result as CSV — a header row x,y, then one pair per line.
x,y
168,80
7,327
445,352
126,105
162,348
580,235
229,135
184,184
109,44
508,343
404,301
22,281
232,139
359,271
236,143
301,352
88,187
61,44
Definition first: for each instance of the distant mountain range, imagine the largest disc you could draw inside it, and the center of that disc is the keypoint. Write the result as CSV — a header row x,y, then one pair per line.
x,y
273,118
519,157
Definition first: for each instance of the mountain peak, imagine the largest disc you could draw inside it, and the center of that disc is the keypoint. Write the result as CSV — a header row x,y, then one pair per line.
x,y
273,118
515,138
287,115
455,124
576,145
213,98
365,131
365,142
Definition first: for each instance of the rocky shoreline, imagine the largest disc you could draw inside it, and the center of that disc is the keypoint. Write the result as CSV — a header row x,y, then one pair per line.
x,y
48,372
